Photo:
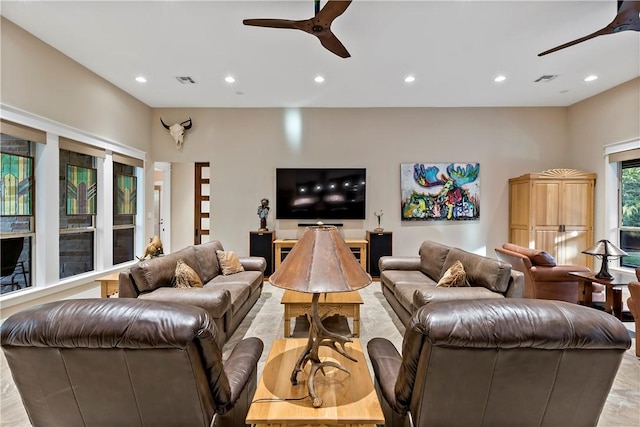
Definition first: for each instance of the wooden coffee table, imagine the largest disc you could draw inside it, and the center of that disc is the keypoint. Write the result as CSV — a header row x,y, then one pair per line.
x,y
348,399
342,303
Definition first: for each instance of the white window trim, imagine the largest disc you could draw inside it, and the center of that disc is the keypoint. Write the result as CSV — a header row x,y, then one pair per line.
x,y
612,190
46,281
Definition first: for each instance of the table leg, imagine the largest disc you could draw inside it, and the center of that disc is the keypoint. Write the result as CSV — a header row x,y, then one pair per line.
x,y
617,302
356,321
608,304
585,289
287,321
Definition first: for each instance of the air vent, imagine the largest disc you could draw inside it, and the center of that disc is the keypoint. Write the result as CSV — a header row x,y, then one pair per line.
x,y
546,78
186,80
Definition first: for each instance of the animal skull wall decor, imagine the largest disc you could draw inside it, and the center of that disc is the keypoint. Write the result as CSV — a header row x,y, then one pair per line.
x,y
177,130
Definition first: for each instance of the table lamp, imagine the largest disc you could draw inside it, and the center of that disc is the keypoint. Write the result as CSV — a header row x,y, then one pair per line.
x,y
320,262
604,249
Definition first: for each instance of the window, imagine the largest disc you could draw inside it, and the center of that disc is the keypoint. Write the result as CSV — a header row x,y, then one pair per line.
x,y
125,198
629,212
17,213
78,200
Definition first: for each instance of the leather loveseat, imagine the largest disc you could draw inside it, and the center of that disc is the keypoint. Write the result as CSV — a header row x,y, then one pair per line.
x,y
227,298
543,278
500,362
410,282
127,362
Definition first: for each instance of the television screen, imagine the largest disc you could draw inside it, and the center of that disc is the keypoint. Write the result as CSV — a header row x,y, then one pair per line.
x,y
327,193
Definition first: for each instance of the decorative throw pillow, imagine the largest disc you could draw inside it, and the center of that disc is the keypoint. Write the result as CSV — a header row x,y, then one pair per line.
x,y
543,259
454,276
229,262
186,277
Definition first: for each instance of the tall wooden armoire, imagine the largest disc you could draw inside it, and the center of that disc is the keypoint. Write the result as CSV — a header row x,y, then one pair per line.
x,y
553,211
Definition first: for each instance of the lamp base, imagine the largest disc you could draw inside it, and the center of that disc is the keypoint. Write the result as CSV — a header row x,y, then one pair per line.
x,y
604,269
318,336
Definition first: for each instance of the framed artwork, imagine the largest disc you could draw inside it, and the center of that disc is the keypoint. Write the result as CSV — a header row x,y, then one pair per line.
x,y
82,189
16,185
440,191
126,195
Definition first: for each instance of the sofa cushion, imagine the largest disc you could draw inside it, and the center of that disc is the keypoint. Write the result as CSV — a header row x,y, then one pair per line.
x,y
432,257
206,257
252,278
404,294
229,262
216,303
393,278
481,271
186,277
537,257
454,276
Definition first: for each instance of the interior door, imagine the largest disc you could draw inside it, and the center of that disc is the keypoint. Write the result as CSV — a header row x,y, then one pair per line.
x,y
202,226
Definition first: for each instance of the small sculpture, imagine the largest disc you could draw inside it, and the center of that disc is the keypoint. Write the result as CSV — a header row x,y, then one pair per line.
x,y
263,213
153,249
378,215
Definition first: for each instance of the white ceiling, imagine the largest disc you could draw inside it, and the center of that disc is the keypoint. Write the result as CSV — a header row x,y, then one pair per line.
x,y
454,49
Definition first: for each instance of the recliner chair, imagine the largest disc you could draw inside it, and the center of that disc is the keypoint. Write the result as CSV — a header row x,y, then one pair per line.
x,y
499,362
127,362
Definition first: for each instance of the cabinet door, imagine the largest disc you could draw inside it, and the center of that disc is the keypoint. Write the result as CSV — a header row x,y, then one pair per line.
x,y
577,204
574,241
546,239
546,203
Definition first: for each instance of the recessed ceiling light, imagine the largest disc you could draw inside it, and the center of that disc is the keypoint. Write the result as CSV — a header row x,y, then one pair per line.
x,y
141,79
590,78
318,79
500,78
409,79
229,79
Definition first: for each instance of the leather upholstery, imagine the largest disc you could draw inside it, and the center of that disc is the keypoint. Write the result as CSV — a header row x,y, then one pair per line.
x,y
633,302
544,282
227,298
402,278
127,362
500,362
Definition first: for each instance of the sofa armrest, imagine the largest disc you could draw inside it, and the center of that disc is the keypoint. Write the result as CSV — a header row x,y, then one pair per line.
x,y
253,263
559,273
126,288
386,362
399,263
515,289
241,365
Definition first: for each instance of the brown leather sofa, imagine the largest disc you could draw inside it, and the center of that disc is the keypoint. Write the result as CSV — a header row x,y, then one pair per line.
x,y
500,362
127,362
543,278
228,299
410,282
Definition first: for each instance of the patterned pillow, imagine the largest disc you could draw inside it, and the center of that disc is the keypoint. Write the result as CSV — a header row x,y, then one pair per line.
x,y
229,262
186,277
454,276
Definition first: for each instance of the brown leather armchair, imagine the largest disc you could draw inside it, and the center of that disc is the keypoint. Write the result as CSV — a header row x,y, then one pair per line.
x,y
499,362
543,278
127,362
633,302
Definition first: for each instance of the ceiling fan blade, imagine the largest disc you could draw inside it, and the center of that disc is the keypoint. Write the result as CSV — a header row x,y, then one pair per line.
x,y
274,23
332,10
580,40
331,42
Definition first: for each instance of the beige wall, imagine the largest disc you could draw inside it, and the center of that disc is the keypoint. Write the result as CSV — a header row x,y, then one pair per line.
x,y
245,146
612,116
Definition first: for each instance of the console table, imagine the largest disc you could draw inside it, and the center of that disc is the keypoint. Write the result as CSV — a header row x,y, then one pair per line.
x,y
108,285
348,400
283,247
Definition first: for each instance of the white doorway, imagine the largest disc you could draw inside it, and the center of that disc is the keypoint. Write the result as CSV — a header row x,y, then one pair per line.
x,y
162,203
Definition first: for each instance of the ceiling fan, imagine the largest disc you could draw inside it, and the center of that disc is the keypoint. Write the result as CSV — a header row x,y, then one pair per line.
x,y
627,19
319,25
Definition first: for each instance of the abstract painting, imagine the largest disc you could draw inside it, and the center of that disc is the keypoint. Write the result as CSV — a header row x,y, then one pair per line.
x,y
126,195
440,191
82,189
16,185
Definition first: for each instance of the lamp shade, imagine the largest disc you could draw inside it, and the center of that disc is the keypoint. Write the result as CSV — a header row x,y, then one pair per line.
x,y
320,262
605,248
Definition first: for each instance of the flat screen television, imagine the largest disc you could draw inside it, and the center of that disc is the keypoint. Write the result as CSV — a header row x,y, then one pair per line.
x,y
321,193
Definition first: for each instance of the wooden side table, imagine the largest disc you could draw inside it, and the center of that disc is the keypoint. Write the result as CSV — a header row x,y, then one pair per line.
x,y
349,400
613,302
109,285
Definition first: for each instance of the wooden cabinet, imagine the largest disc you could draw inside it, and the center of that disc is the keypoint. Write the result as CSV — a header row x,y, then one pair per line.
x,y
553,211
